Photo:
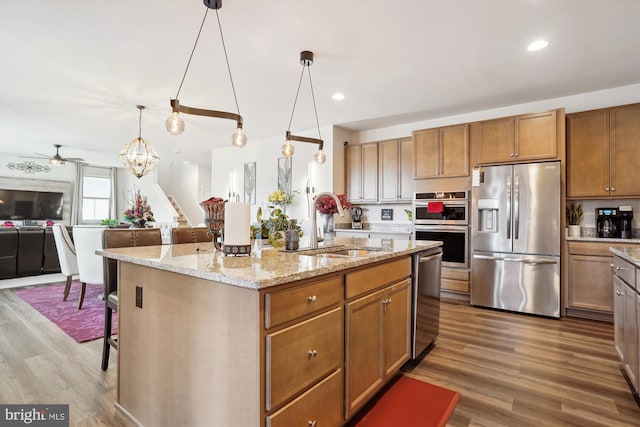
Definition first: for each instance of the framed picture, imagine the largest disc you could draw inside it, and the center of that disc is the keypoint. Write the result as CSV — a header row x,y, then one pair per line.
x,y
250,183
285,174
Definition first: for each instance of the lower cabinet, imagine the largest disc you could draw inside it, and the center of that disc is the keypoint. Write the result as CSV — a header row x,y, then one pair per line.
x,y
589,287
377,328
626,320
331,343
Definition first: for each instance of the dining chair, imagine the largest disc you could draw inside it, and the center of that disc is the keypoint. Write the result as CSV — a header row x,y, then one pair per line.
x,y
190,235
119,238
67,257
86,239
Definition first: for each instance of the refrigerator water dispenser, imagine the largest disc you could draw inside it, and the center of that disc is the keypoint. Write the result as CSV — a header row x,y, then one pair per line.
x,y
488,215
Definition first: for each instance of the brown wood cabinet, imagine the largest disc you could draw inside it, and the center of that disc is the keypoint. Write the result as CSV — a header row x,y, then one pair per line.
x,y
590,292
626,321
603,153
395,170
362,173
441,152
527,137
377,329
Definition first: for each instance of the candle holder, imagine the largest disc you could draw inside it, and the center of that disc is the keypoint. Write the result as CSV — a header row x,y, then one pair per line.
x,y
214,219
236,250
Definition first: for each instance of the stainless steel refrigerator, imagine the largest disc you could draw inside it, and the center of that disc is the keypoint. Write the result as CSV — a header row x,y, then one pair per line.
x,y
516,226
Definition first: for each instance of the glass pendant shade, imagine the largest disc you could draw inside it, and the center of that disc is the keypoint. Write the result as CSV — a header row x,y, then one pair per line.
x,y
175,124
139,156
320,157
288,149
239,138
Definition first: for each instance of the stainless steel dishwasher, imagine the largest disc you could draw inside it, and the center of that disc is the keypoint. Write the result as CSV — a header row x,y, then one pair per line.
x,y
425,300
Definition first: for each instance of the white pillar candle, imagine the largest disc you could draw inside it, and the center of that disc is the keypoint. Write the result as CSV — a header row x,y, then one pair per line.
x,y
236,224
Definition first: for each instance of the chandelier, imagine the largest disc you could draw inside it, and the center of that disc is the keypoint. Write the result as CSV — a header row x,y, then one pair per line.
x,y
306,59
175,124
138,155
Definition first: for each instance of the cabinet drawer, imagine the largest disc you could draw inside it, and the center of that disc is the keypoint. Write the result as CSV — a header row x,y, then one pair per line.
x,y
584,248
299,355
322,404
455,274
282,306
362,281
455,285
625,270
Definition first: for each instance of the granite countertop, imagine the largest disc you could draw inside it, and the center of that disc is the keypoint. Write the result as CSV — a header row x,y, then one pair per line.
x,y
266,266
634,240
631,254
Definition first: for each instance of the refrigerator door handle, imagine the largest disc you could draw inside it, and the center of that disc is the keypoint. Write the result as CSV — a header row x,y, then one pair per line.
x,y
488,257
508,207
516,207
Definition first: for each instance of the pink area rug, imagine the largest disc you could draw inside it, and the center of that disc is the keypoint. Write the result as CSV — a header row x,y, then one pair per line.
x,y
82,325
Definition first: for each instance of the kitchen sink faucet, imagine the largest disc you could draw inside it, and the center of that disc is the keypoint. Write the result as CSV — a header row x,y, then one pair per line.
x,y
313,240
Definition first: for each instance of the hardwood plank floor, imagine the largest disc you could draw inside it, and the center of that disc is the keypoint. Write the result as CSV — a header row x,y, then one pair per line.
x,y
517,370
512,370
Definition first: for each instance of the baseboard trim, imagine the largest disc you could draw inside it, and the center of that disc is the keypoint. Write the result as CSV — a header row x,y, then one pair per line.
x,y
588,314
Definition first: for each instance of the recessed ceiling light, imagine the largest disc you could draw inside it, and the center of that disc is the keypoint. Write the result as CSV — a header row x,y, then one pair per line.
x,y
186,162
537,45
337,96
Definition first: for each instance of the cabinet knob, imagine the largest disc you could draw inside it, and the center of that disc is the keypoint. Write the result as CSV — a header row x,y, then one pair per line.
x,y
606,189
515,154
312,423
618,293
313,298
613,189
511,155
312,353
620,268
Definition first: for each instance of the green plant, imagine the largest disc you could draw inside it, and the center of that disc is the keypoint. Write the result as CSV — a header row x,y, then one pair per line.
x,y
109,221
574,213
279,221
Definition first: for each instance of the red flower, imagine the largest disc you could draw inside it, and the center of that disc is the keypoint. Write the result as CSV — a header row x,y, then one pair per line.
x,y
326,204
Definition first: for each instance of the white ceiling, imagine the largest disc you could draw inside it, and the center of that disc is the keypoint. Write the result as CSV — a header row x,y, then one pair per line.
x,y
72,71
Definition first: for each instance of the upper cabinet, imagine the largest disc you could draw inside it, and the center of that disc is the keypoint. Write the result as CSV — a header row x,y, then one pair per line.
x,y
394,170
603,153
520,138
362,173
441,152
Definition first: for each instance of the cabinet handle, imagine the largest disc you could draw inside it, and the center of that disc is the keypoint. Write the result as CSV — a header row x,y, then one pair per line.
x,y
618,293
611,265
386,301
312,423
620,268
313,298
312,353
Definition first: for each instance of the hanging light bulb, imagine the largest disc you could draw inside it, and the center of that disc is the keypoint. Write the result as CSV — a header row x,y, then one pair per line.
x,y
320,157
175,124
306,59
288,149
239,138
138,155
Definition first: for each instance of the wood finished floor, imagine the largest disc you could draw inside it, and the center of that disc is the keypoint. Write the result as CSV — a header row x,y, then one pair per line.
x,y
512,370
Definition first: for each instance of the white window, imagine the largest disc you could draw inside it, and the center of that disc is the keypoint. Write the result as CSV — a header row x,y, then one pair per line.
x,y
97,195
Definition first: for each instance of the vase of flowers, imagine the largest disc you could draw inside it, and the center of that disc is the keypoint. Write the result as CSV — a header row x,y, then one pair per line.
x,y
281,199
140,212
326,207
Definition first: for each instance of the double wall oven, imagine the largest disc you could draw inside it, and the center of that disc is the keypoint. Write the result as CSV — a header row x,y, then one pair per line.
x,y
444,216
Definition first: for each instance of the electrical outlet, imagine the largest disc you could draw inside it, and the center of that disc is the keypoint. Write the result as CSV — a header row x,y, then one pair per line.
x,y
138,296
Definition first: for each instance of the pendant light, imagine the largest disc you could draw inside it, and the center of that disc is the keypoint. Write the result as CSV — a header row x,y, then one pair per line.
x,y
138,155
175,124
306,59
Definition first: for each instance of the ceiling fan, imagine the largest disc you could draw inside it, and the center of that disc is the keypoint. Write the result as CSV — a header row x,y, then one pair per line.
x,y
56,159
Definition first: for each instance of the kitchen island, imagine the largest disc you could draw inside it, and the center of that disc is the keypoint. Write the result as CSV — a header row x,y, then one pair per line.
x,y
272,339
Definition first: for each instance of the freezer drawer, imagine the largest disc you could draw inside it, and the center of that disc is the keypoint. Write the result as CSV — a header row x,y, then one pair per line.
x,y
522,283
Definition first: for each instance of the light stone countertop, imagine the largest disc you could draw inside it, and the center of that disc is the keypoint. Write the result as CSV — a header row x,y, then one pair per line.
x,y
631,254
634,240
266,266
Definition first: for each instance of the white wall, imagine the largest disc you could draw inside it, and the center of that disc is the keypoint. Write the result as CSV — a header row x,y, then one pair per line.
x,y
128,184
183,182
228,164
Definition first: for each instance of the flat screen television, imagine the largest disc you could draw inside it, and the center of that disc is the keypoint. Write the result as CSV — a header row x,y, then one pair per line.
x,y
20,204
